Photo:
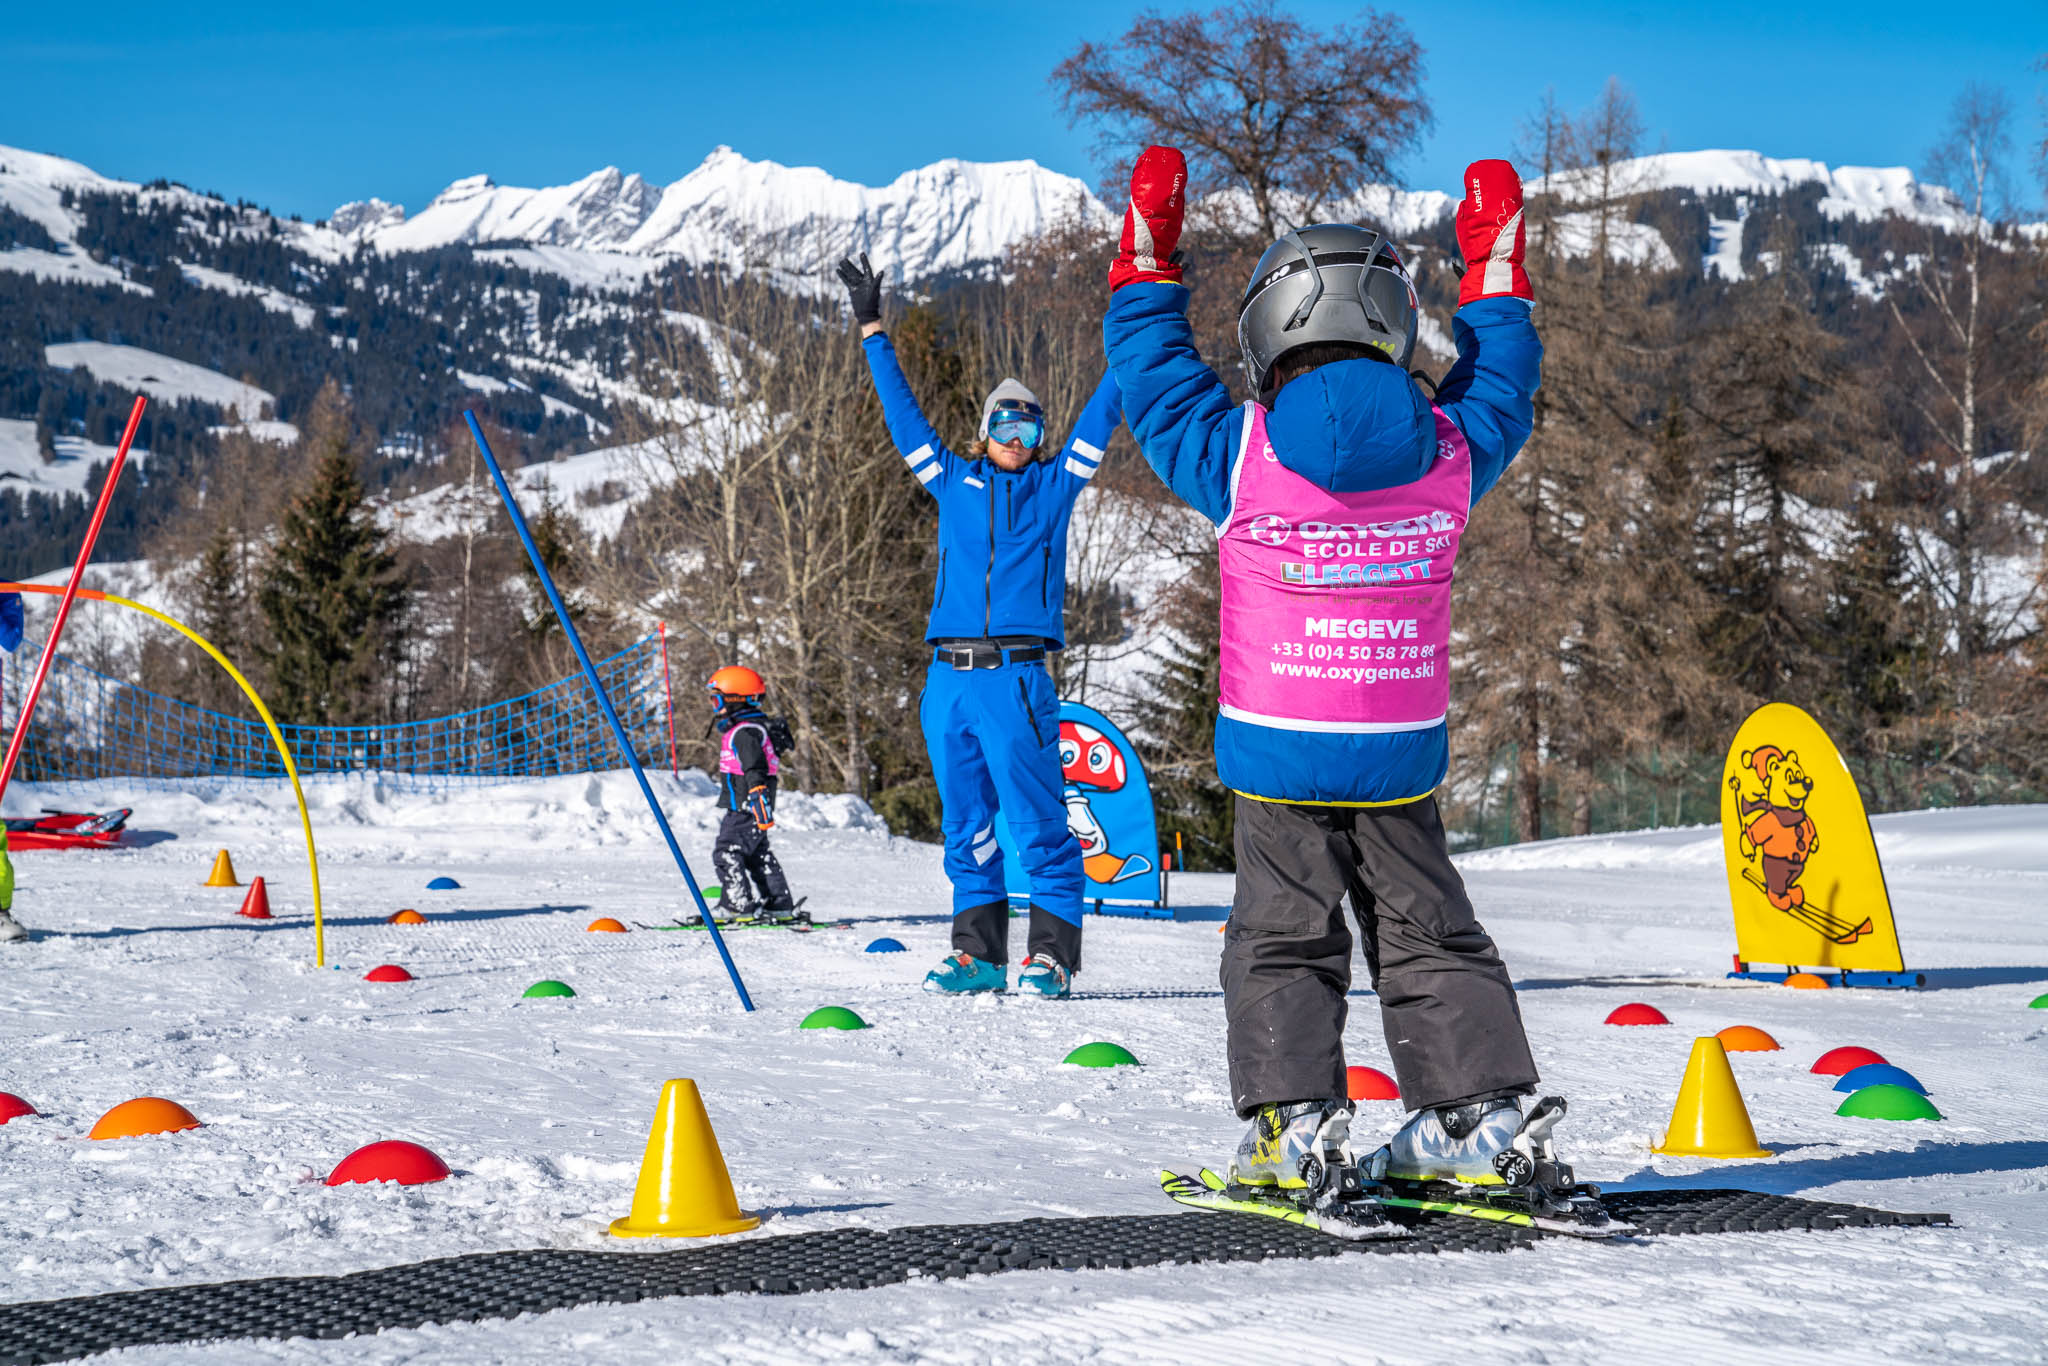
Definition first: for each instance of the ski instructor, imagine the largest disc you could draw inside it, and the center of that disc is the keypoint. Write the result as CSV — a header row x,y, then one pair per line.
x,y
989,711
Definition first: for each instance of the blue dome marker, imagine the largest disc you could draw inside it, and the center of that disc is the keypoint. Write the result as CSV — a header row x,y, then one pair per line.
x,y
444,884
1878,1074
885,946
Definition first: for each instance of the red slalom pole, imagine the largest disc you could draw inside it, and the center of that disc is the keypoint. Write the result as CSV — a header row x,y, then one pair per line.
x,y
668,689
92,534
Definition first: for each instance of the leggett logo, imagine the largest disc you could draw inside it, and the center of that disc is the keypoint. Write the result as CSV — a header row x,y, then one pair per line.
x,y
1271,530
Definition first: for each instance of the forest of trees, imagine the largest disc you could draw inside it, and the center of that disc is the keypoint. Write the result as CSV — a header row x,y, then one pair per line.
x,y
1817,483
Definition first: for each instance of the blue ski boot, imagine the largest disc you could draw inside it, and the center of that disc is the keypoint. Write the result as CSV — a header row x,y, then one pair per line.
x,y
1043,976
962,974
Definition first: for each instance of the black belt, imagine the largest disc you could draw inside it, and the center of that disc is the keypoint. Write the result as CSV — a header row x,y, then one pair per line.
x,y
963,655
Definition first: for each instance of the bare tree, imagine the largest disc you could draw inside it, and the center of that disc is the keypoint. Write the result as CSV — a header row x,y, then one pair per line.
x,y
1951,370
1289,116
782,529
1579,624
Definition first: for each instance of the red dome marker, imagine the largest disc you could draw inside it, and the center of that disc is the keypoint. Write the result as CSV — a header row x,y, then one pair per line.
x,y
1369,1083
13,1107
1637,1013
1837,1062
390,972
392,1160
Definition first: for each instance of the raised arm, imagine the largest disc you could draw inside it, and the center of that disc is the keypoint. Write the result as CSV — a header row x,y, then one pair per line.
x,y
1082,455
917,441
1179,411
1491,391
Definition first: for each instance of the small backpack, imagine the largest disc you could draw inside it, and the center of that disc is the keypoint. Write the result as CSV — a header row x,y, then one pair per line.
x,y
780,735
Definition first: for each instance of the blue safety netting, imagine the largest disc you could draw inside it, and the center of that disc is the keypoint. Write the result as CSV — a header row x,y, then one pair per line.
x,y
89,726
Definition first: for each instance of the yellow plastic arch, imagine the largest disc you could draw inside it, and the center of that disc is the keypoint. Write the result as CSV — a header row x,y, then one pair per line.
x,y
269,723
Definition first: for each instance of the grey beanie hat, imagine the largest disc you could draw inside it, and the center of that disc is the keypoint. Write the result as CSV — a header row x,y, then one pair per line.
x,y
1009,394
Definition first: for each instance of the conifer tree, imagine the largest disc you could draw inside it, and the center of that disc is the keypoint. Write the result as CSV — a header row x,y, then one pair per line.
x,y
332,594
1176,725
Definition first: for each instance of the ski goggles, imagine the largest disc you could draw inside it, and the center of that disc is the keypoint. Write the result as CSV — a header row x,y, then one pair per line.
x,y
1006,425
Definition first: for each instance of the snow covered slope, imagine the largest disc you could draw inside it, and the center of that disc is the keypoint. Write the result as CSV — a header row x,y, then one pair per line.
x,y
1863,192
143,982
161,377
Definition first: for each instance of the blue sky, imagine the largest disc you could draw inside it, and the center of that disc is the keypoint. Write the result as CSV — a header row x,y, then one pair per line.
x,y
301,108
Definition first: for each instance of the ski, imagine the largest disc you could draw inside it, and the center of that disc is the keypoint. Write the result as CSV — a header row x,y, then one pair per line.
x,y
1574,1211
1538,1192
1354,1216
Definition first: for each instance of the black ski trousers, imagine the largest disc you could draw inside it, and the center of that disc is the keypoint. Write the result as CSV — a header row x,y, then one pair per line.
x,y
984,932
1448,1007
747,868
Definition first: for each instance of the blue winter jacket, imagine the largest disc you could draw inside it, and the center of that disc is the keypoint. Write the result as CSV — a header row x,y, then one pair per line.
x,y
1355,425
1002,537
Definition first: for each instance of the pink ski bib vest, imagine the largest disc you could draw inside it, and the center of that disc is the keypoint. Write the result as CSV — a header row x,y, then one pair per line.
x,y
1337,606
728,762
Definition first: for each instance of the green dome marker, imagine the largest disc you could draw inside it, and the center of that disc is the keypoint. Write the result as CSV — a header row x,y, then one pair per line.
x,y
547,987
1886,1101
2039,1002
1100,1054
833,1017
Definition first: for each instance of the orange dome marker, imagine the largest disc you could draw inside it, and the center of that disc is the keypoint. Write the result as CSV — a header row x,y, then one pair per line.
x,y
223,874
1746,1039
406,917
604,924
1807,981
144,1115
256,905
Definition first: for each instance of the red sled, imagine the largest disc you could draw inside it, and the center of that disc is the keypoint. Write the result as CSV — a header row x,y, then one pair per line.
x,y
67,830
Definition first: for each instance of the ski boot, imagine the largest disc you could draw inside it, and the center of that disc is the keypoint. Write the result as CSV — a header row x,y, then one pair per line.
x,y
11,930
962,974
1043,976
1300,1154
1489,1154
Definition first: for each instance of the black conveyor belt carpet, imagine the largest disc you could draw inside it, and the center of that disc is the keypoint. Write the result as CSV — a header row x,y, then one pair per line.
x,y
504,1284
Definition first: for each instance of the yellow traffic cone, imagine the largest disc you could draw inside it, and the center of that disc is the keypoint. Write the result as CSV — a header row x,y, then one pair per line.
x,y
1710,1119
223,874
684,1190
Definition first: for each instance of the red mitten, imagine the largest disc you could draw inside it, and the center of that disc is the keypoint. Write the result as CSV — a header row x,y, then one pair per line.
x,y
1490,234
1152,223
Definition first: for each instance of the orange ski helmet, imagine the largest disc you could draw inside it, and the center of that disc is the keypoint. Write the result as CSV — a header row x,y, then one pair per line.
x,y
736,680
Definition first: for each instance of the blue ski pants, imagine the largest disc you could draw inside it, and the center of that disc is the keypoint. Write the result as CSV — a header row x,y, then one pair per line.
x,y
994,740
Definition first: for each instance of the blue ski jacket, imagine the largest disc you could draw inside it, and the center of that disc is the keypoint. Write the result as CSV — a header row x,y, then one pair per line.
x,y
1002,537
1353,426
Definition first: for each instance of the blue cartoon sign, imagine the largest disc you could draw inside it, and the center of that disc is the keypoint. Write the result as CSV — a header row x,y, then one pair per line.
x,y
1109,810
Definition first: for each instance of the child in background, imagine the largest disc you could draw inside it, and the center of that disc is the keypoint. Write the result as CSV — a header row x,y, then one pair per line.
x,y
749,772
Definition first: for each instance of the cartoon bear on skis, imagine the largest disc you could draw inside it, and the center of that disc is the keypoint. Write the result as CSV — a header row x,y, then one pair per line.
x,y
1779,834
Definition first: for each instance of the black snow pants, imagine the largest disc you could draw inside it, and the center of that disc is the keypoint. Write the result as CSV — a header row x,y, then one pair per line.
x,y
1448,1007
984,932
747,868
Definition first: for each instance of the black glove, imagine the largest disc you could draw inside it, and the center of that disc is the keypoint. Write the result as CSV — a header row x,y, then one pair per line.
x,y
864,287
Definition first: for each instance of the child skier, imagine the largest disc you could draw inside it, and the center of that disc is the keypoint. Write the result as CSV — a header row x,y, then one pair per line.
x,y
749,774
1339,496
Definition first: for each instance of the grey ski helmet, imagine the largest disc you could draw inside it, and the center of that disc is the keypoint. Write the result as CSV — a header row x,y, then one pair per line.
x,y
1329,282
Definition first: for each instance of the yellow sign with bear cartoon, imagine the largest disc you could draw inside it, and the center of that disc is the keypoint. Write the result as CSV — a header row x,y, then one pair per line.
x,y
1802,865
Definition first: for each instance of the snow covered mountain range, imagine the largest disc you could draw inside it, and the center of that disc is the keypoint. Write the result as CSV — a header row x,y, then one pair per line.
x,y
949,216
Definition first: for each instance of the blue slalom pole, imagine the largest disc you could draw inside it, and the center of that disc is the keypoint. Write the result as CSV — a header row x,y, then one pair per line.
x,y
604,702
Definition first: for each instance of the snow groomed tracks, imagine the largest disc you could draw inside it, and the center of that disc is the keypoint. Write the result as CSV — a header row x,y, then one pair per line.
x,y
497,1285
